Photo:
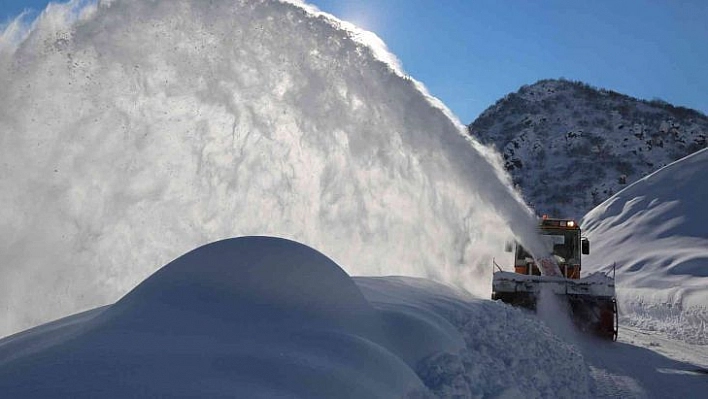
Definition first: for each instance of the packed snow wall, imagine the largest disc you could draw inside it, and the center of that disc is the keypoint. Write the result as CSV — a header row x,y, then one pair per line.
x,y
654,233
134,131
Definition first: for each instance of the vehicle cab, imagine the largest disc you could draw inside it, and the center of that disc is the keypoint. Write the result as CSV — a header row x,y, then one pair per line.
x,y
564,237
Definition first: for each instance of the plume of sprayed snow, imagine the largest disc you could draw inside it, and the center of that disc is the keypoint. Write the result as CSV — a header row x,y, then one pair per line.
x,y
57,17
14,32
555,311
135,131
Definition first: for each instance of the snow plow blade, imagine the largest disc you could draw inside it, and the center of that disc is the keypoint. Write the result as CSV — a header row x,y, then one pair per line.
x,y
591,301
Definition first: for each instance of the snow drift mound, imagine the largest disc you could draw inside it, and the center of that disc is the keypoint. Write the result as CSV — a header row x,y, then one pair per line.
x,y
253,316
272,276
134,131
268,317
655,231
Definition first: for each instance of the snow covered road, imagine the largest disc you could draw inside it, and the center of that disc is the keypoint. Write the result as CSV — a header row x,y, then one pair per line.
x,y
671,348
633,368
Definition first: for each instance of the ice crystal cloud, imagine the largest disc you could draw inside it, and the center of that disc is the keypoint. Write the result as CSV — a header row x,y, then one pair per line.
x,y
134,131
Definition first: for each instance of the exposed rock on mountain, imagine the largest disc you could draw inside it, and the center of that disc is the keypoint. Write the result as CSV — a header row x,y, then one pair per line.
x,y
569,146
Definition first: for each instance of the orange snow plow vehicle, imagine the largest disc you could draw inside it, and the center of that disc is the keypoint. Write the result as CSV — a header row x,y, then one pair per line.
x,y
591,300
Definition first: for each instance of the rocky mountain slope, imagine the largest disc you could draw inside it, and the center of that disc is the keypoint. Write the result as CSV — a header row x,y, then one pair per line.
x,y
569,146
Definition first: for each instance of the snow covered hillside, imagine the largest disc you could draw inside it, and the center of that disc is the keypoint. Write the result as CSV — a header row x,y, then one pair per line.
x,y
134,131
656,232
569,146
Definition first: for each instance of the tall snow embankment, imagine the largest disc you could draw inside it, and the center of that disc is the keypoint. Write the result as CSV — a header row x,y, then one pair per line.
x,y
655,232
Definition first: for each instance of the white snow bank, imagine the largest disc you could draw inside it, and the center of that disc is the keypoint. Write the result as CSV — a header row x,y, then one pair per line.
x,y
655,231
507,352
268,317
134,131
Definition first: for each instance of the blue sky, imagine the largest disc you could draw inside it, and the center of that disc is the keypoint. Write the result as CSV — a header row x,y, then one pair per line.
x,y
470,53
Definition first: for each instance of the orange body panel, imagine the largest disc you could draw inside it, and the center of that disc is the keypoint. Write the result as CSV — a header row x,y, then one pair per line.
x,y
571,272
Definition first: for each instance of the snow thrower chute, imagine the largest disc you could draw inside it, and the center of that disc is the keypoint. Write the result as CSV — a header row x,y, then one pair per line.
x,y
591,299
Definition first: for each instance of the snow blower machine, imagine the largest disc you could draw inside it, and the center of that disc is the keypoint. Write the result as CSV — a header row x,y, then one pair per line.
x,y
591,300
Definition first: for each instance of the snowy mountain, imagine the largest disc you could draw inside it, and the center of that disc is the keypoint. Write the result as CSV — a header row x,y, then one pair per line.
x,y
655,232
569,146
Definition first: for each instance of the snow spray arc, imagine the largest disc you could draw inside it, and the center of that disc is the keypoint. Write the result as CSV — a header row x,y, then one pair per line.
x,y
133,131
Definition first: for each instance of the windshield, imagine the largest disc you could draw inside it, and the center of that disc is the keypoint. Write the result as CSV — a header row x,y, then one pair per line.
x,y
563,244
